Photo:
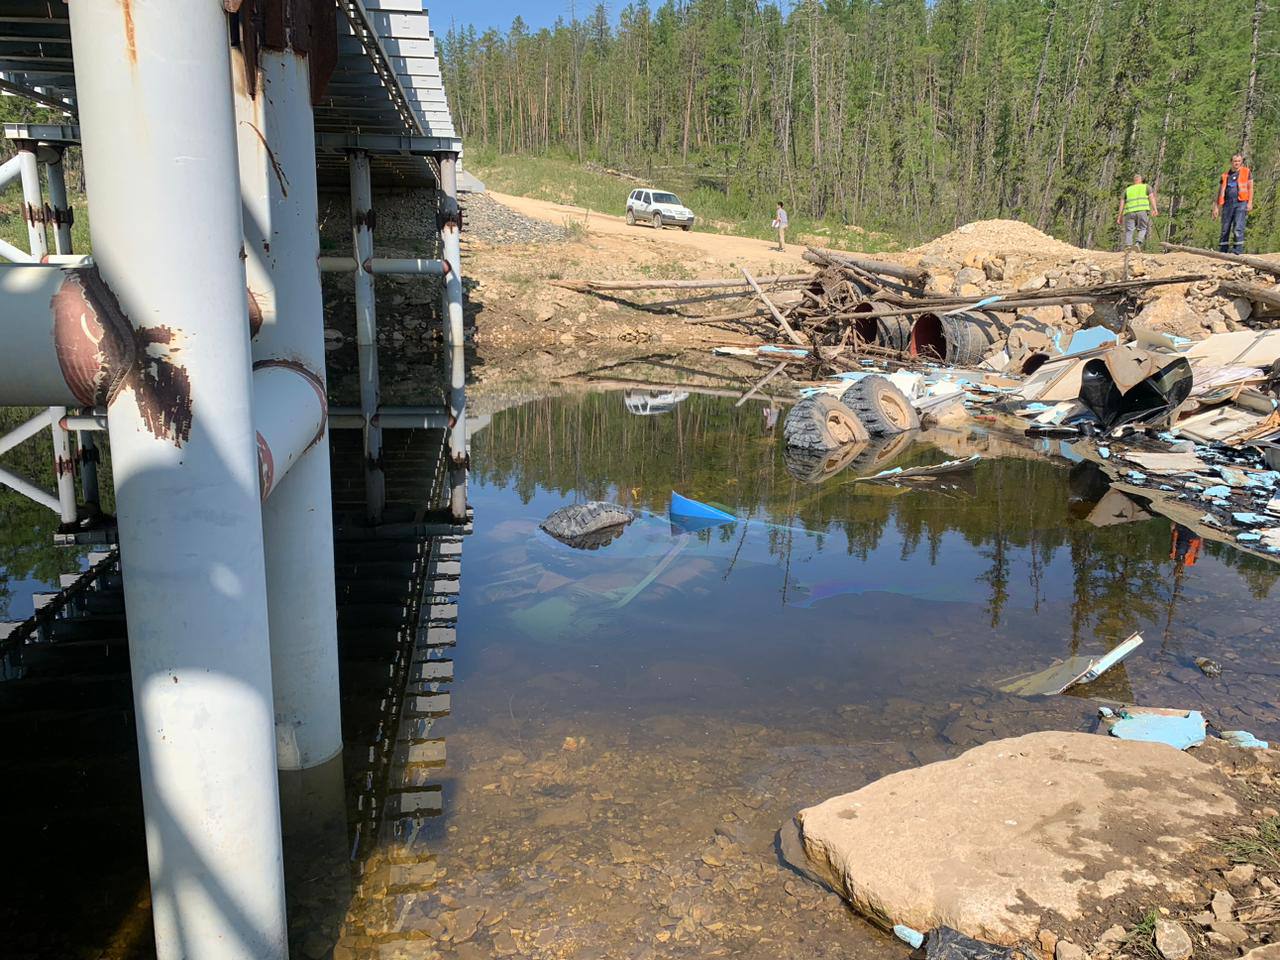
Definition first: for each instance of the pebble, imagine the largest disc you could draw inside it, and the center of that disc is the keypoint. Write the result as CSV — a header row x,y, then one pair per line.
x,y
1240,876
1223,906
1172,940
1210,668
1066,950
1048,940
1234,932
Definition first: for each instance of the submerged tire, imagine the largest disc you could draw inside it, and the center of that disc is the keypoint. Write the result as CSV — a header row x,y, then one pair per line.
x,y
822,422
588,526
879,454
882,407
814,466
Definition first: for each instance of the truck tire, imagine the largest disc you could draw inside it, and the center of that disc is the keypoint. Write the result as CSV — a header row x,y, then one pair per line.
x,y
588,526
657,221
882,407
686,227
815,466
631,217
822,422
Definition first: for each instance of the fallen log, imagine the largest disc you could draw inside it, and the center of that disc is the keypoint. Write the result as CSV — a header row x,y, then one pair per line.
x,y
885,267
1266,266
675,284
1269,296
777,315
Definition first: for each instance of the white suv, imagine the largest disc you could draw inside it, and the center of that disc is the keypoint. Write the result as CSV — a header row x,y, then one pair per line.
x,y
658,208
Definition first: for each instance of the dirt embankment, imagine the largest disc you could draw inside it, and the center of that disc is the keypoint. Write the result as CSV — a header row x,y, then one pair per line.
x,y
520,305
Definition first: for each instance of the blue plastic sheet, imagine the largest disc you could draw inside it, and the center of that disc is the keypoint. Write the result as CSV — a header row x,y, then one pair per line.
x,y
1181,732
1245,739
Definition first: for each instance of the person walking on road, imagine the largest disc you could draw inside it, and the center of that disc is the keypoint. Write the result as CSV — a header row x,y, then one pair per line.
x,y
780,224
1137,207
1234,204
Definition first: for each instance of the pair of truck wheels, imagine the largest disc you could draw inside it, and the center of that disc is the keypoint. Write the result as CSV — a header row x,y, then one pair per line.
x,y
870,407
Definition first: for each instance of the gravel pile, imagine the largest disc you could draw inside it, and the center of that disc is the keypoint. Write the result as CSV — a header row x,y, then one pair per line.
x,y
488,221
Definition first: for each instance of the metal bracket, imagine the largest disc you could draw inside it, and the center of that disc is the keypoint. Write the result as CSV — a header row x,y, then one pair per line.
x,y
449,212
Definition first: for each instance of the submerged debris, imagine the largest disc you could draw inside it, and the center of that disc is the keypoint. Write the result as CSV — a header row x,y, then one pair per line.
x,y
588,526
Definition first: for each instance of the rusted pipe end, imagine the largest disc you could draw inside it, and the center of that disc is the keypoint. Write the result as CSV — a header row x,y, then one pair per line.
x,y
93,352
101,354
367,265
317,384
448,268
255,313
266,467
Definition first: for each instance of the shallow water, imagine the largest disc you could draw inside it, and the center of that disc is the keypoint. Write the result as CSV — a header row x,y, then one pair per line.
x,y
631,724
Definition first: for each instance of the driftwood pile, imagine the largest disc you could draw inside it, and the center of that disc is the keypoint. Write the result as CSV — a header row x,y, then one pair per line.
x,y
856,305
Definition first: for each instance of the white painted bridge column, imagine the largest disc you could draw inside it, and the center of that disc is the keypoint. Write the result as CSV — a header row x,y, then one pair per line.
x,y
158,129
362,221
276,137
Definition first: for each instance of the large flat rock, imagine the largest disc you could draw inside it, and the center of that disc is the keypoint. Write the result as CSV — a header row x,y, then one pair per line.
x,y
1017,831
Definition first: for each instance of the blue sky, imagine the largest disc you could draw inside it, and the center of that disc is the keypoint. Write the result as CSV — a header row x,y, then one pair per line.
x,y
498,14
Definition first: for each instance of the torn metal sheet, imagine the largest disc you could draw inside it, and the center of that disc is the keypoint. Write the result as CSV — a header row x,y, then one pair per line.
x,y
933,470
1129,385
1067,673
1166,462
1116,508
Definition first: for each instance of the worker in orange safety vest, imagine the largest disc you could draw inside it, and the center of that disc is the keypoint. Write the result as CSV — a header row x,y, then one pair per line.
x,y
1234,204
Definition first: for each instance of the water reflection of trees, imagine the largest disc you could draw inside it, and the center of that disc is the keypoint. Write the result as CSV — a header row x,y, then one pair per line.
x,y
1016,514
27,550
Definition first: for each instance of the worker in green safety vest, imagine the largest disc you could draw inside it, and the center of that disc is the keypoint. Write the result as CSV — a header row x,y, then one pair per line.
x,y
1137,207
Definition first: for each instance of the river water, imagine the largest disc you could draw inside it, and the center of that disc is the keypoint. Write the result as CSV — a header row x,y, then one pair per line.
x,y
630,725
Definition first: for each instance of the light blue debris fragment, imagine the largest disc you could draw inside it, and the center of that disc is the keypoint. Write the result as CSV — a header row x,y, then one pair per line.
x,y
913,938
1210,519
1221,503
1037,407
1248,536
1106,712
1136,476
1243,738
1250,518
1219,491
1104,453
1237,478
1165,486
1090,339
1181,732
1267,478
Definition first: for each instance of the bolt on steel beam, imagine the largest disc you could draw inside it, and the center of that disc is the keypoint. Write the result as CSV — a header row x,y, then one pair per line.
x,y
159,134
32,201
64,468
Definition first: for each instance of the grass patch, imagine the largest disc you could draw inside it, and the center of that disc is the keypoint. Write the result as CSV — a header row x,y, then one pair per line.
x,y
719,209
672,270
1141,940
575,230
1261,849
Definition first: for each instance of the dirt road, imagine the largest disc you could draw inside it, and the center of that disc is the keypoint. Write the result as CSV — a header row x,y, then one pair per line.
x,y
721,247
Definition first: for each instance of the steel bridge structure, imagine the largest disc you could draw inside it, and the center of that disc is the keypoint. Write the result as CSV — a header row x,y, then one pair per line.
x,y
191,340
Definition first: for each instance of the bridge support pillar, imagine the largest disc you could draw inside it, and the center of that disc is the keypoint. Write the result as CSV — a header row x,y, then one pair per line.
x,y
362,223
158,128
